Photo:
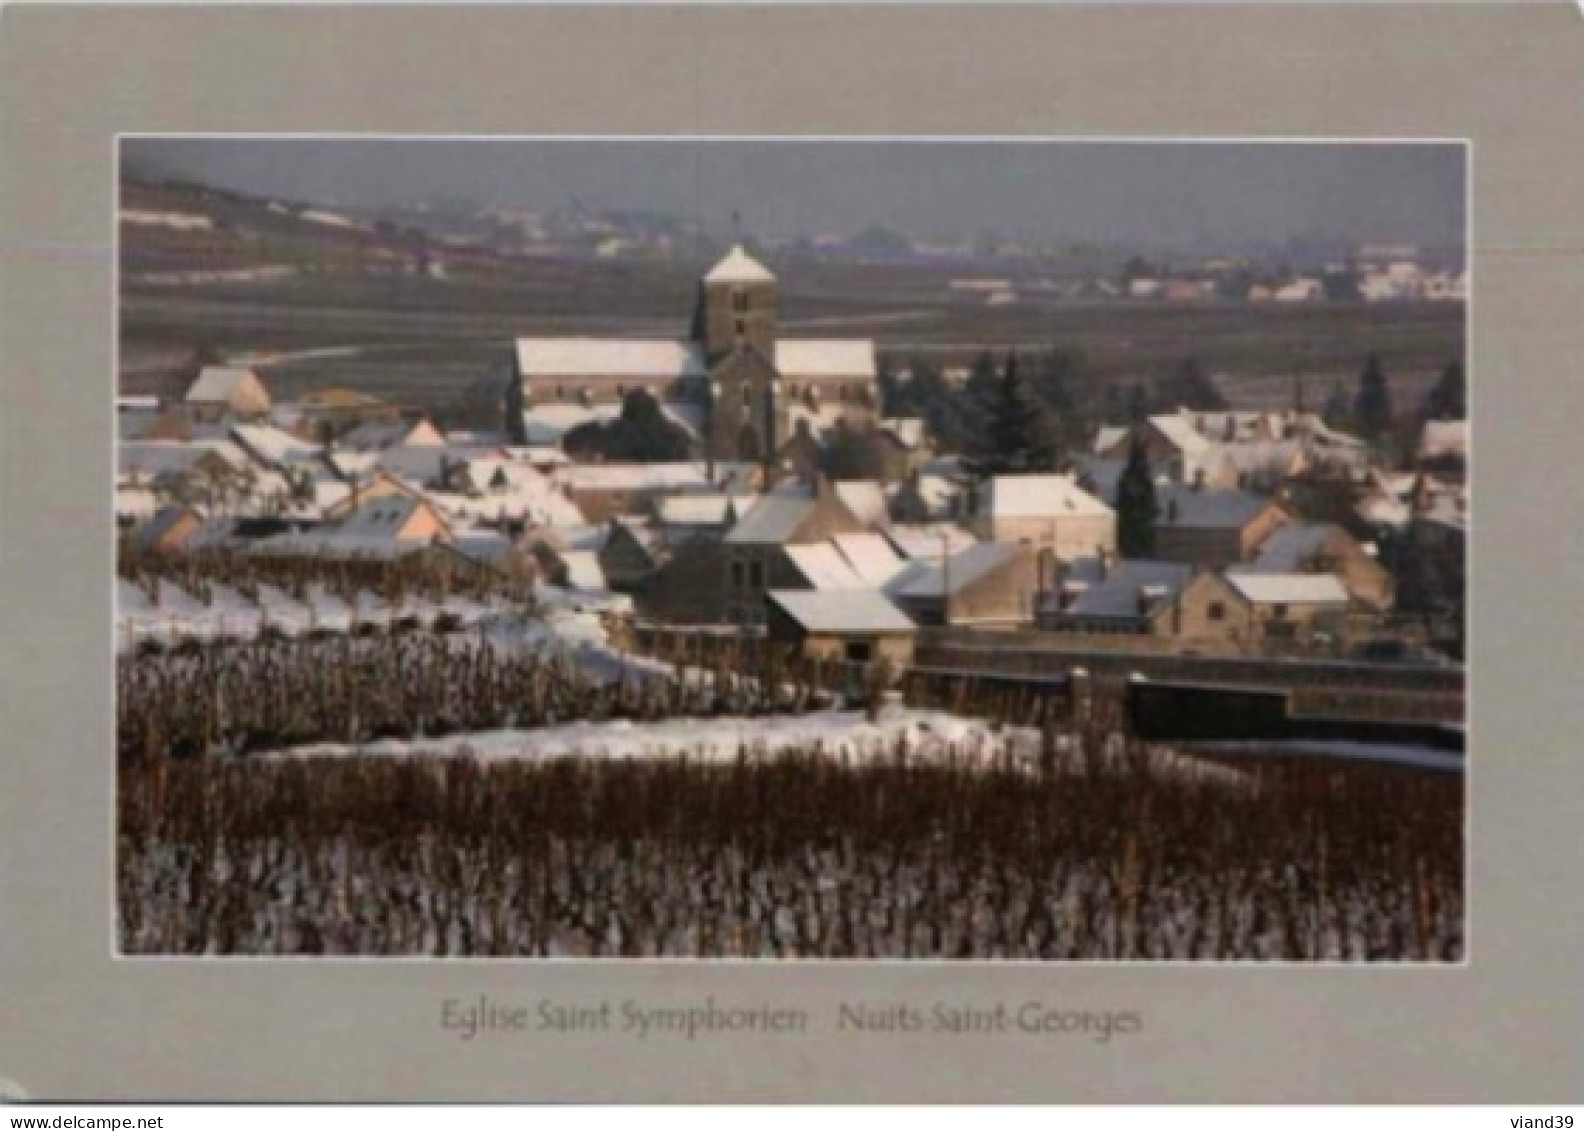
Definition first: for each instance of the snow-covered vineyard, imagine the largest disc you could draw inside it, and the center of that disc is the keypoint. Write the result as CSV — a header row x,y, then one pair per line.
x,y
919,838
327,770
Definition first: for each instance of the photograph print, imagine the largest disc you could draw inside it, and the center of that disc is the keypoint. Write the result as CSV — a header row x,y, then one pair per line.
x,y
991,550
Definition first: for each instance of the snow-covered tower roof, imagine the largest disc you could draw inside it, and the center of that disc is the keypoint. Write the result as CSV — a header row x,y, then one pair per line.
x,y
739,267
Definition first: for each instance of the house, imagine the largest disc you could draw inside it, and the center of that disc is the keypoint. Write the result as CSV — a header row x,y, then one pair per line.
x,y
987,584
396,517
1318,548
633,550
603,490
224,392
1443,447
377,435
1103,595
733,383
866,499
872,558
927,497
169,531
929,541
1226,449
682,518
1300,290
1212,529
904,446
854,626
1261,611
360,491
1047,512
275,449
710,582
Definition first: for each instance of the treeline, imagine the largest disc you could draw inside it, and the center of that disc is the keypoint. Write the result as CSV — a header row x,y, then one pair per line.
x,y
1032,410
1036,410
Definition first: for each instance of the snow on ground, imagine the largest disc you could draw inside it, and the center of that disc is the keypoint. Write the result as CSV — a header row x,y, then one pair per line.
x,y
930,736
565,623
839,733
230,614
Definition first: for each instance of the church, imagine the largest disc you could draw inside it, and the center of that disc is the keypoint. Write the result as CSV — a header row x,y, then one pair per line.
x,y
742,392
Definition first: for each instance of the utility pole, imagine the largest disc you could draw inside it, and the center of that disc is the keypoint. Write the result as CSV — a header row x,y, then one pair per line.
x,y
946,577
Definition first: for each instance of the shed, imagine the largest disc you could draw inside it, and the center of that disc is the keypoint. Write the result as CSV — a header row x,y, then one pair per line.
x,y
856,626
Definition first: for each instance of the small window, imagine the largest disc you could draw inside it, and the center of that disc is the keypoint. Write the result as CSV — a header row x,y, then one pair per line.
x,y
1279,611
756,575
739,306
859,651
621,390
742,328
560,392
747,394
737,575
1216,611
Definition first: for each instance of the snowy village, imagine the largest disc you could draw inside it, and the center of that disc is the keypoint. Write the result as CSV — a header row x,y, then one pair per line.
x,y
748,627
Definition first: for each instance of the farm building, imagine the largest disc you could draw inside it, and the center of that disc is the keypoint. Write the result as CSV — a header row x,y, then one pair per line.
x,y
856,626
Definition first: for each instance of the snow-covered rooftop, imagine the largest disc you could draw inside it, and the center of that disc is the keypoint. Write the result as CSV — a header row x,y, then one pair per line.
x,y
609,357
1288,588
274,446
866,499
1444,438
842,611
928,541
871,557
907,430
774,518
1290,546
673,476
218,383
829,357
1206,508
823,567
962,569
1114,589
1039,496
737,266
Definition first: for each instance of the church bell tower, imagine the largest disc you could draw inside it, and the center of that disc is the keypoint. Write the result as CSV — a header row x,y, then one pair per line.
x,y
736,306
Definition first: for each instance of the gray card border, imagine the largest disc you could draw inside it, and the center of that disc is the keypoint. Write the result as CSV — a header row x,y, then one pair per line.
x,y
1506,1025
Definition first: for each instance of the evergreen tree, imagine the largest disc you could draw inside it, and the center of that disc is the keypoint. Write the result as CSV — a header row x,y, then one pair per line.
x,y
852,453
1335,411
1018,433
1372,406
1189,387
642,434
1138,404
1448,398
1136,505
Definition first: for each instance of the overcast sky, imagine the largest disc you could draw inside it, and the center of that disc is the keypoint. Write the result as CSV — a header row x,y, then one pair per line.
x,y
1145,194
